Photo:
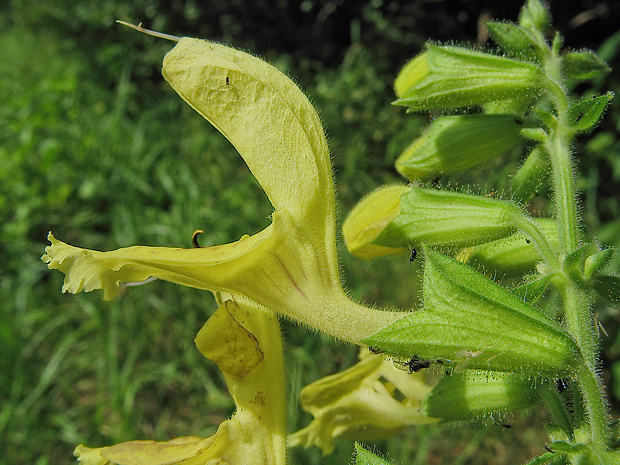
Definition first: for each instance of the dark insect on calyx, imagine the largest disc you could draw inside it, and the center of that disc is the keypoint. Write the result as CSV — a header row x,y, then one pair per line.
x,y
227,81
415,364
414,254
374,350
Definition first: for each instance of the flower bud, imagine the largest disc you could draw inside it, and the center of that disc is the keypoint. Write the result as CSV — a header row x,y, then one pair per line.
x,y
531,174
514,255
412,72
535,16
434,217
369,218
459,77
476,394
455,143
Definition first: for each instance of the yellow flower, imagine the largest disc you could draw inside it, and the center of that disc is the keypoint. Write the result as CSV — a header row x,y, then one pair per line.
x,y
360,403
245,343
291,266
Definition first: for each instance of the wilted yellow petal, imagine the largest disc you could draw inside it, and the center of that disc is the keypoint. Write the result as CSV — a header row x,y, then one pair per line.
x,y
360,403
245,343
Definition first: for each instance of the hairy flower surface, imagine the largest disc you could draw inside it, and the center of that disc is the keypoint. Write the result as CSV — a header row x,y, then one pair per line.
x,y
291,266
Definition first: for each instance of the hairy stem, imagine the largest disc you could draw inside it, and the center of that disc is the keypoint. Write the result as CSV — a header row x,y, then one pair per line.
x,y
578,317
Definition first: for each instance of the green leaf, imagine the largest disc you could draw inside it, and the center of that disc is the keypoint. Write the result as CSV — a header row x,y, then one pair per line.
x,y
608,287
516,41
363,456
535,16
597,261
547,118
547,458
469,318
583,65
532,290
459,77
456,143
434,217
475,394
533,172
586,113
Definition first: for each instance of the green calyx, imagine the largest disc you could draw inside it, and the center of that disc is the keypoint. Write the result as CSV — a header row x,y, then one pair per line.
x,y
443,218
456,143
475,394
460,77
470,320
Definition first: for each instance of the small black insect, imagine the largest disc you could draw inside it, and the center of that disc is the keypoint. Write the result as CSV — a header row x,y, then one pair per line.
x,y
227,81
414,254
415,364
374,350
507,426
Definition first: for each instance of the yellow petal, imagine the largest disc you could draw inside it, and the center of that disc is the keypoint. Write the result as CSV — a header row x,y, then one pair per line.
x,y
360,403
411,74
276,268
369,218
270,122
254,372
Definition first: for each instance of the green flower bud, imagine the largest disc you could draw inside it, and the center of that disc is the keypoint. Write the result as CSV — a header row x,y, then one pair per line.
x,y
434,217
456,143
411,73
459,77
535,16
531,174
476,394
516,254
369,218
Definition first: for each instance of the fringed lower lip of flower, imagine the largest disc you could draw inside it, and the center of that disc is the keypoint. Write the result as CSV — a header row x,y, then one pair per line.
x,y
244,341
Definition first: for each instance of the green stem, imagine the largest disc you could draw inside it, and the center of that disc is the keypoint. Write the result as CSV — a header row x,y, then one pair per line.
x,y
558,148
527,226
594,400
578,317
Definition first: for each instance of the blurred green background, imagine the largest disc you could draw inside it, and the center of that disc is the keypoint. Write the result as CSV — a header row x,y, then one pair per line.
x,y
95,146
